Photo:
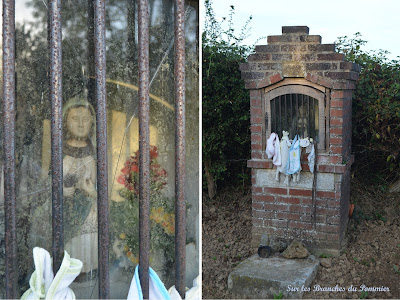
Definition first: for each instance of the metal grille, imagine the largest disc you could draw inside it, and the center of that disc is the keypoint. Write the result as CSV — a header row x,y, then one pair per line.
x,y
55,39
297,114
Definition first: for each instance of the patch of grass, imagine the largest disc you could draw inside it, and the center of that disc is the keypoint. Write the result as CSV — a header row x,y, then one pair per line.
x,y
364,295
396,269
356,259
364,262
214,258
323,255
278,296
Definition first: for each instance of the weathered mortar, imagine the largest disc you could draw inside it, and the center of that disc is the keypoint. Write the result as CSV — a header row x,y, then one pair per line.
x,y
292,59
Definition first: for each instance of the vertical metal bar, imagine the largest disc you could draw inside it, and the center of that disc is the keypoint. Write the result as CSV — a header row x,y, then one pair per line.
x,y
9,147
144,157
101,136
291,112
297,114
308,116
280,113
56,132
284,108
273,122
180,152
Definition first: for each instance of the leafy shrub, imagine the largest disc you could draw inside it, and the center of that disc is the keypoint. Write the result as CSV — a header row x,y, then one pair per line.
x,y
226,104
376,111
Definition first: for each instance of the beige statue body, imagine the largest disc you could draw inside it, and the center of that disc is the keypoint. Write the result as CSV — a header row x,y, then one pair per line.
x,y
79,186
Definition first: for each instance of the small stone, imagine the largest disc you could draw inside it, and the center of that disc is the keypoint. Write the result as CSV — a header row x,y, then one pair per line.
x,y
341,281
326,262
212,209
296,250
387,293
311,259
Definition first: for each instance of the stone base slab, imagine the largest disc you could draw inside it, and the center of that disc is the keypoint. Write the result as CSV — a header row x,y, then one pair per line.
x,y
262,278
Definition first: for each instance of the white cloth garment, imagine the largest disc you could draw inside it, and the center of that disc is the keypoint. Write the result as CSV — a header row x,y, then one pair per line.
x,y
42,276
293,164
69,270
157,290
192,294
43,285
304,142
273,149
311,159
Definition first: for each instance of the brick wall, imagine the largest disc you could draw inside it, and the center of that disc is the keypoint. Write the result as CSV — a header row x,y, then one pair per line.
x,y
285,211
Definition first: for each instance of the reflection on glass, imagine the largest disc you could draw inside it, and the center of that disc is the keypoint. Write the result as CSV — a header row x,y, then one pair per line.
x,y
79,180
33,146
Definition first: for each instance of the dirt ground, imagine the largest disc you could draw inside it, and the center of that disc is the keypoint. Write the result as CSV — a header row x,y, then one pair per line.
x,y
371,258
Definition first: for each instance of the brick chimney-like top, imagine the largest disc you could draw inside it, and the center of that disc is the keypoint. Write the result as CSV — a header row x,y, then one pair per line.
x,y
295,53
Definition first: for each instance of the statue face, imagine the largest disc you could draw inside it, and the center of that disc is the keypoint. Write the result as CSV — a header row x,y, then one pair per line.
x,y
79,122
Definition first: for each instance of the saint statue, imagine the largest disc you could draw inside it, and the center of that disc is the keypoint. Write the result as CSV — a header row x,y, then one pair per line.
x,y
79,183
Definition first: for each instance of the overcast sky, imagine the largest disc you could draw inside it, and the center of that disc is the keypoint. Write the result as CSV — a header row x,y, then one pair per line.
x,y
377,21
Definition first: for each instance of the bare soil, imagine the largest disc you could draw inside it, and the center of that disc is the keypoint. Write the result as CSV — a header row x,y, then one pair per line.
x,y
371,258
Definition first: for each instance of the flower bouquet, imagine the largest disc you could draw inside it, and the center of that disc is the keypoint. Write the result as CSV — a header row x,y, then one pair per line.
x,y
125,214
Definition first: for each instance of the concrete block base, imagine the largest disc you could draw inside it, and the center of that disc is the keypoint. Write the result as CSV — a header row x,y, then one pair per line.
x,y
262,278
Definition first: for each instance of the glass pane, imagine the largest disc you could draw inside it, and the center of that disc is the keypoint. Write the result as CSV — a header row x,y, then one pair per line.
x,y
79,144
297,114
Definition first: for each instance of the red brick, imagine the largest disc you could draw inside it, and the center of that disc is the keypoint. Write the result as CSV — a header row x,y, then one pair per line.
x,y
262,214
306,201
326,168
257,221
287,216
300,225
288,200
256,155
256,119
323,194
255,128
275,207
340,169
277,191
300,209
256,111
278,38
256,189
333,203
337,150
328,228
336,141
275,78
278,223
320,202
255,93
259,57
336,130
336,122
304,193
257,206
255,137
337,103
336,112
262,83
250,85
259,164
328,211
331,56
255,102
263,198
256,147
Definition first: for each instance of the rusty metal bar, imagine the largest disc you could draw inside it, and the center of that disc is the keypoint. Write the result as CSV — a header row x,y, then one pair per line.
x,y
101,137
56,132
180,151
144,138
9,147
